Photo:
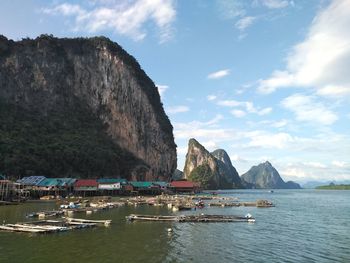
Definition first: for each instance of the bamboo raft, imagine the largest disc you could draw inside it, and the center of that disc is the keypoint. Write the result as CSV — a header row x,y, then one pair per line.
x,y
51,226
259,203
78,220
202,218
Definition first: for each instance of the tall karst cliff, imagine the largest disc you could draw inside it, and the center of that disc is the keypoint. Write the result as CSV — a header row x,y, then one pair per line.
x,y
80,107
212,170
266,176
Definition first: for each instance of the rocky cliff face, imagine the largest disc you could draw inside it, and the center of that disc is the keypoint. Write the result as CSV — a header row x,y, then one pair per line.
x,y
265,176
96,77
226,168
212,172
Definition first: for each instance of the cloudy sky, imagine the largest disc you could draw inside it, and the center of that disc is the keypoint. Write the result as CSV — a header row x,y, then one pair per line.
x,y
262,79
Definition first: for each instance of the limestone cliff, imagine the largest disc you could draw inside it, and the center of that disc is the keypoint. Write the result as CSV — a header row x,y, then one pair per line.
x,y
214,171
227,169
266,176
91,84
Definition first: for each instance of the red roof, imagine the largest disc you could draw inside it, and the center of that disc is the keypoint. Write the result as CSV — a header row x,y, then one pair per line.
x,y
183,184
86,183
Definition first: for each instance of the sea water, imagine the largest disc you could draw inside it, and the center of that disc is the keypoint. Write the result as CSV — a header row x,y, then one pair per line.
x,y
305,226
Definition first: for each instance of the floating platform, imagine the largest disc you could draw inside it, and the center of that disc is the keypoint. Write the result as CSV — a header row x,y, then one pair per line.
x,y
259,203
202,218
87,221
51,226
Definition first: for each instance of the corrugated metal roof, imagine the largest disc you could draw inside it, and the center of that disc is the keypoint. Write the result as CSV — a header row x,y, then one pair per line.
x,y
58,182
31,180
86,183
111,180
183,184
141,184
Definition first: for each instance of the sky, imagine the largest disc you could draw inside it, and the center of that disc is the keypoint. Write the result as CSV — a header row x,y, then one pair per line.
x,y
262,79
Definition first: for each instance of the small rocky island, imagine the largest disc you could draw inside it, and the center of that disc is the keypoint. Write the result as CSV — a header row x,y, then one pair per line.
x,y
265,176
213,170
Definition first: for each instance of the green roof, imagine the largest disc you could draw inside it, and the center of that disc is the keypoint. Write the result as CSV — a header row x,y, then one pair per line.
x,y
58,182
112,180
141,184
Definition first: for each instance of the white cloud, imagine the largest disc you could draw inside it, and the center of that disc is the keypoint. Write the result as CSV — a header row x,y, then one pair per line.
x,y
162,89
275,4
307,109
215,120
322,59
125,18
270,123
264,111
237,158
315,165
279,124
211,97
245,22
268,140
219,74
248,105
230,103
308,171
230,9
177,109
238,113
334,91
203,131
340,164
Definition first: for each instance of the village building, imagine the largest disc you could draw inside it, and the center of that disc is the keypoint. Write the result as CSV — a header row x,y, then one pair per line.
x,y
149,188
55,186
111,186
86,187
185,187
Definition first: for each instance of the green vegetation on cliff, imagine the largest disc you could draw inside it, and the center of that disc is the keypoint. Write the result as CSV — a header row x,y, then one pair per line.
x,y
61,144
334,187
202,174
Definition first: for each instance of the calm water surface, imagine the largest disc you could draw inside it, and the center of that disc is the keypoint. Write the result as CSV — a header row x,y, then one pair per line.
x,y
305,226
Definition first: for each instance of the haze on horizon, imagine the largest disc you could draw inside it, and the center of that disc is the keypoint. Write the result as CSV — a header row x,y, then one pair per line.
x,y
262,79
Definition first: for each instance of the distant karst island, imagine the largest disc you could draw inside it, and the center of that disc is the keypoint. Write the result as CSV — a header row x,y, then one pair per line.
x,y
215,171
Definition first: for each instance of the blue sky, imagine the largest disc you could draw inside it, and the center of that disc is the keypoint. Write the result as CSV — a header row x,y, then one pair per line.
x,y
262,79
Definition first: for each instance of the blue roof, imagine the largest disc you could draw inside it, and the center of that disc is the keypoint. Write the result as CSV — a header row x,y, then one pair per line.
x,y
58,182
31,180
112,180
